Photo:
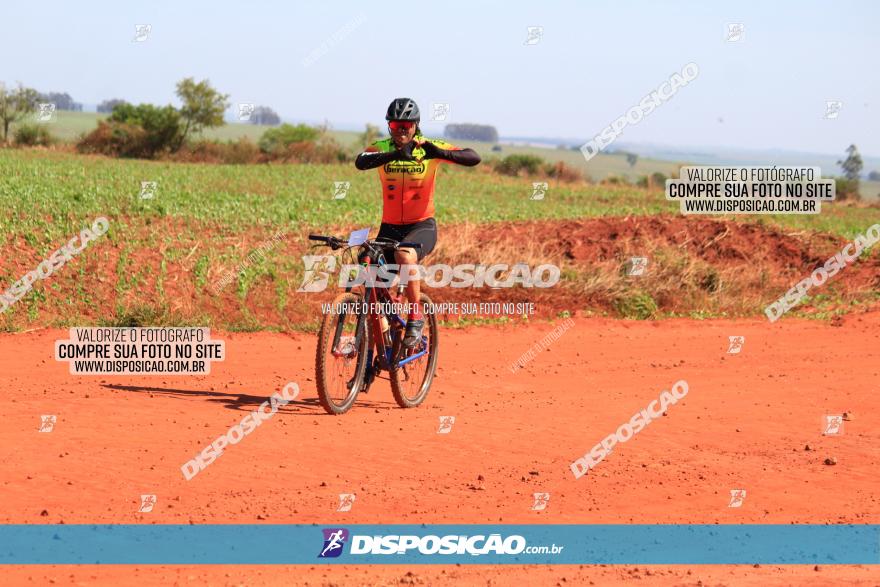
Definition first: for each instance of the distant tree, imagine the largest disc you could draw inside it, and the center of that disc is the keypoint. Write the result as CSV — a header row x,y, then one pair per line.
x,y
874,176
203,107
15,105
471,132
852,165
107,106
632,158
61,101
370,135
266,116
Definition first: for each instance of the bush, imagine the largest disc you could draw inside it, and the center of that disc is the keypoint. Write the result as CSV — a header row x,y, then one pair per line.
x,y
143,131
275,141
656,180
243,151
324,150
162,125
116,140
107,106
846,189
238,152
370,135
637,306
29,135
563,172
516,164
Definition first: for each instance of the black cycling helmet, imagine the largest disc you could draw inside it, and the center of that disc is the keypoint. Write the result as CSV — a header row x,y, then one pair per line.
x,y
403,109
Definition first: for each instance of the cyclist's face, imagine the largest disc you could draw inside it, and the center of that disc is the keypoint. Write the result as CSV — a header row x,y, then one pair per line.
x,y
402,132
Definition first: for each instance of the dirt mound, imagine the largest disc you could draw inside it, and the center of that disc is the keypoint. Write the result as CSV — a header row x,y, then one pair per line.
x,y
721,242
165,271
694,264
713,241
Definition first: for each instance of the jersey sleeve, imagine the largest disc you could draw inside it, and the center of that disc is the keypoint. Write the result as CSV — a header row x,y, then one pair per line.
x,y
380,146
441,144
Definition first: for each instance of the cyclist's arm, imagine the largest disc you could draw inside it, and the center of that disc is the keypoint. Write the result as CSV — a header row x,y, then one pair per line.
x,y
372,158
453,154
467,157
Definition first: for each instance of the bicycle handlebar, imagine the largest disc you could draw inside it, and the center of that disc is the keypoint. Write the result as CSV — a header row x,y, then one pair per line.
x,y
336,242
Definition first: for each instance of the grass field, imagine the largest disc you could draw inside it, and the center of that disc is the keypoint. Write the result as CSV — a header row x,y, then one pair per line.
x,y
68,126
46,194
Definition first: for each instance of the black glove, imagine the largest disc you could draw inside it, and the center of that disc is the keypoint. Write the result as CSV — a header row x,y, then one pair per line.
x,y
432,151
404,153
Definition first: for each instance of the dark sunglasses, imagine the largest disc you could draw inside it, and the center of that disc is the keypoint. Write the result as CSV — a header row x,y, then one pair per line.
x,y
401,124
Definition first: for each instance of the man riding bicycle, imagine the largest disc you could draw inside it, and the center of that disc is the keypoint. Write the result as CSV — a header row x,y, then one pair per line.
x,y
408,164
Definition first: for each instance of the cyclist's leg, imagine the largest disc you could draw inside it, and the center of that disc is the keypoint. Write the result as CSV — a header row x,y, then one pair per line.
x,y
395,232
424,233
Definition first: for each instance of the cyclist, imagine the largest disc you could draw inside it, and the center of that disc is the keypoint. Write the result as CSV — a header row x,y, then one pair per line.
x,y
408,164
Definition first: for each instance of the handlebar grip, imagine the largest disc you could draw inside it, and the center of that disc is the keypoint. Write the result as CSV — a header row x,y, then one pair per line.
x,y
317,237
409,245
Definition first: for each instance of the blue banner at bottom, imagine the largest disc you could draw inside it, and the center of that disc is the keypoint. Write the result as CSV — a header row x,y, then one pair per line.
x,y
440,544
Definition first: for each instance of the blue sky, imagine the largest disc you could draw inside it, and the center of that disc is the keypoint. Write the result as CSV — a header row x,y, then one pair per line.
x,y
594,61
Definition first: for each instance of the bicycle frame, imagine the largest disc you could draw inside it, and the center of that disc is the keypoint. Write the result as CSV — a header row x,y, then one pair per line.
x,y
376,297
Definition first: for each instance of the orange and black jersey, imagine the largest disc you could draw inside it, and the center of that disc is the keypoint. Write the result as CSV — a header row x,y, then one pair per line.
x,y
408,186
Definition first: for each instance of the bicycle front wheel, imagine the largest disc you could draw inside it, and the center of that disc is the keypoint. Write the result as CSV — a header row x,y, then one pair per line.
x,y
340,362
410,382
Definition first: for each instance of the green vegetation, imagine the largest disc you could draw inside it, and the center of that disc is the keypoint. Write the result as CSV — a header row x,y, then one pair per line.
x,y
637,306
30,135
46,194
276,140
203,107
70,126
147,131
519,163
205,219
15,105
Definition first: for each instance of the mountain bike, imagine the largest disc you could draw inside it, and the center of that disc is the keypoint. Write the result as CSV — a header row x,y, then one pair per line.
x,y
362,336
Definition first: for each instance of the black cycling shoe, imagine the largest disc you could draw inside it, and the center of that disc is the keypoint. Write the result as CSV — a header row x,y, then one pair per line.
x,y
369,376
413,333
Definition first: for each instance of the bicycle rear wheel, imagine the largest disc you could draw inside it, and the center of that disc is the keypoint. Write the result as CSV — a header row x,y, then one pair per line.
x,y
340,362
410,382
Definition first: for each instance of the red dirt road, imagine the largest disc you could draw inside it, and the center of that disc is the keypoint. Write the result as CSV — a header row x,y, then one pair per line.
x,y
743,425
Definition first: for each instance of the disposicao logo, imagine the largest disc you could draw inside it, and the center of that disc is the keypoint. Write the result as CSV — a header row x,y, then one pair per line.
x,y
334,540
409,544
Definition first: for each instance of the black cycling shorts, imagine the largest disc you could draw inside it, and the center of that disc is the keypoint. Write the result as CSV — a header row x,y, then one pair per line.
x,y
423,232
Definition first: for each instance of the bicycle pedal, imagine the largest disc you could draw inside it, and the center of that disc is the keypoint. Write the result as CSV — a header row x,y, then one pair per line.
x,y
369,377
